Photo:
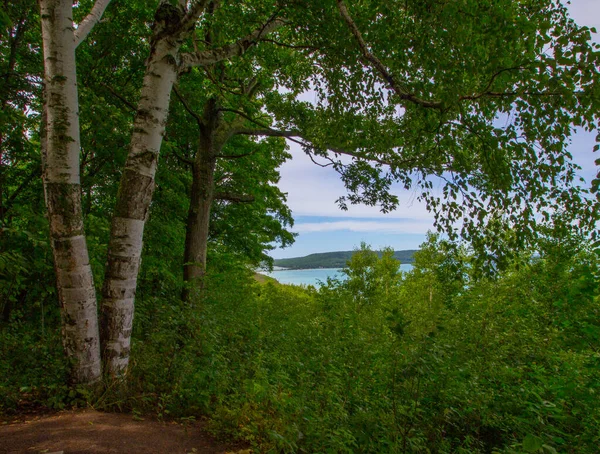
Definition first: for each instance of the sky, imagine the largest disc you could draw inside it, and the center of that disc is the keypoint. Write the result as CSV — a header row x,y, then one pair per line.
x,y
321,225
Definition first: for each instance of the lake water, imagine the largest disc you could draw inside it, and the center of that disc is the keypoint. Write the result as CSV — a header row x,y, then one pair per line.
x,y
312,276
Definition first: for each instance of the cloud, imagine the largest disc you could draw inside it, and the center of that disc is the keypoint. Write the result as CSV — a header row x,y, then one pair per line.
x,y
312,191
411,227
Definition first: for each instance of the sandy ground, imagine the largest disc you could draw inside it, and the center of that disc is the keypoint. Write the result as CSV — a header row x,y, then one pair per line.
x,y
92,432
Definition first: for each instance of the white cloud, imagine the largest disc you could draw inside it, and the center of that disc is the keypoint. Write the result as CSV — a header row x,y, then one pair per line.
x,y
312,191
412,226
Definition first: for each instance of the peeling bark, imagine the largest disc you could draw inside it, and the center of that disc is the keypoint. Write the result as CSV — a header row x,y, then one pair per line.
x,y
136,190
75,283
171,27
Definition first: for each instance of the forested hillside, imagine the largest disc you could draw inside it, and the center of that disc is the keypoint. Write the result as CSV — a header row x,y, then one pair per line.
x,y
333,259
140,153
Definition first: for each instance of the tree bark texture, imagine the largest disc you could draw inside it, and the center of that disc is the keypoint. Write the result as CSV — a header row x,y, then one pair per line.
x,y
172,25
134,196
201,199
75,284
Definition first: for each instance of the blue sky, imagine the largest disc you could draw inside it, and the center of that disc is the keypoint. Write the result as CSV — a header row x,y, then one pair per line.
x,y
323,227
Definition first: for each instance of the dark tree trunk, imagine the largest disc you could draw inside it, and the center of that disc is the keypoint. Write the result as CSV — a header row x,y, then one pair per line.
x,y
196,238
201,199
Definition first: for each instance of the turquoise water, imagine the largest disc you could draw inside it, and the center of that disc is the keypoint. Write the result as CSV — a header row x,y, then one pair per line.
x,y
312,276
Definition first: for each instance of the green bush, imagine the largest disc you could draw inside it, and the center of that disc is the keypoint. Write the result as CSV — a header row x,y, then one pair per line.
x,y
435,360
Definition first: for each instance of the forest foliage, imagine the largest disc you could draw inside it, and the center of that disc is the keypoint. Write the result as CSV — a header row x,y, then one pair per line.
x,y
432,360
489,344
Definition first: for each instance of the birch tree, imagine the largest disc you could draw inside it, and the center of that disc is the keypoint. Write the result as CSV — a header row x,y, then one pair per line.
x,y
75,283
173,25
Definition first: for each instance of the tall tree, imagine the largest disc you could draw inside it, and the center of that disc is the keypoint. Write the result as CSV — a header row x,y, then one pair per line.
x,y
173,25
227,169
75,283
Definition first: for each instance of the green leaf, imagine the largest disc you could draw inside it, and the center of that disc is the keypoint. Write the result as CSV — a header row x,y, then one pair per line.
x,y
531,443
5,22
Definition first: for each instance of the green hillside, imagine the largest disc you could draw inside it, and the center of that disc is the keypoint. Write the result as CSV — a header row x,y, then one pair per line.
x,y
336,259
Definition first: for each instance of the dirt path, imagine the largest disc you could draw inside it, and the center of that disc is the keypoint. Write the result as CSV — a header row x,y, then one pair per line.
x,y
92,432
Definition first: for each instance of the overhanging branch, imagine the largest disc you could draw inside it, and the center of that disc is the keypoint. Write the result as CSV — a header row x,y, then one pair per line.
x,y
212,56
305,143
88,23
380,67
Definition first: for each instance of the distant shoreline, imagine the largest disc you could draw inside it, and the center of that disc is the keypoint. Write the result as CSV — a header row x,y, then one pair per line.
x,y
308,268
315,276
334,260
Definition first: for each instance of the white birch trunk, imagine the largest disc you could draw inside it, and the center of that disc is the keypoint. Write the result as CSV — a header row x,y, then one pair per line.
x,y
75,284
172,25
133,202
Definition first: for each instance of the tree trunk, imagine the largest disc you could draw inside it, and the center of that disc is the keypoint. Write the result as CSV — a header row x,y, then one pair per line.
x,y
172,25
133,201
201,199
75,283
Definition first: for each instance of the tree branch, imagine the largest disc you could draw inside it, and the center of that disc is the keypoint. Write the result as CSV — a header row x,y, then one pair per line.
x,y
119,97
192,15
275,133
380,67
305,143
88,23
235,198
187,107
9,203
486,91
210,57
291,46
266,132
180,157
183,159
252,88
505,94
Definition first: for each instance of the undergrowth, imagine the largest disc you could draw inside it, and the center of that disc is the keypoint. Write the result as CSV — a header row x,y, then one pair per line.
x,y
435,360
